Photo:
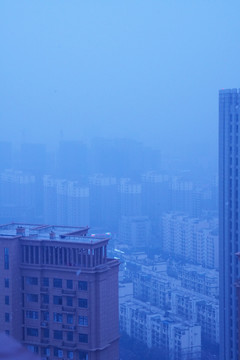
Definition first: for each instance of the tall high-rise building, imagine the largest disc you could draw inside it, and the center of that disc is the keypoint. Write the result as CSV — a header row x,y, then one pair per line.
x,y
18,194
104,203
65,202
59,292
229,220
130,198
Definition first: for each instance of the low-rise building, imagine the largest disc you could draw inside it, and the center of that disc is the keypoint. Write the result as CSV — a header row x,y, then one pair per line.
x,y
162,330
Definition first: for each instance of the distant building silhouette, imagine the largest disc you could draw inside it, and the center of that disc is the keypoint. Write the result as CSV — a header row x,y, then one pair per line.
x,y
65,202
135,231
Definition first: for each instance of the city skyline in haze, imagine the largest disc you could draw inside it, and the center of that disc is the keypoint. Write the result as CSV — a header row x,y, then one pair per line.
x,y
145,71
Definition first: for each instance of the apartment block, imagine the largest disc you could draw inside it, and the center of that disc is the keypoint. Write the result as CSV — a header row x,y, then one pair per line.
x,y
191,239
147,324
65,202
60,291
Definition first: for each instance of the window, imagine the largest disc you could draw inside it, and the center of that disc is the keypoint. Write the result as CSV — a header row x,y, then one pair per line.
x,y
57,300
32,280
31,314
58,352
46,351
69,318
6,258
70,354
32,297
69,301
83,303
46,333
57,317
83,338
33,348
83,355
57,283
57,334
83,320
45,281
82,285
45,315
45,299
6,300
7,317
70,336
32,332
69,284
6,283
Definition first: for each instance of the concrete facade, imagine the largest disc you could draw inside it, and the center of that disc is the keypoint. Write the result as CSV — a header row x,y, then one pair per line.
x,y
229,218
60,291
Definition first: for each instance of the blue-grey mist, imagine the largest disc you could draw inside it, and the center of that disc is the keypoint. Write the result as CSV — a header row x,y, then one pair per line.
x,y
144,70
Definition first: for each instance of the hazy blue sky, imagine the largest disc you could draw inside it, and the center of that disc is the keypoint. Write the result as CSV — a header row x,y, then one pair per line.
x,y
148,70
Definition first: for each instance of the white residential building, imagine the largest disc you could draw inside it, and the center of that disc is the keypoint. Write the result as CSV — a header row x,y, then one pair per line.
x,y
158,329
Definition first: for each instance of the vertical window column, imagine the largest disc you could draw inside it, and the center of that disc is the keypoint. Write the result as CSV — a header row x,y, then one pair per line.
x,y
31,254
47,254
81,257
91,257
41,249
6,258
37,254
104,253
74,257
58,255
101,254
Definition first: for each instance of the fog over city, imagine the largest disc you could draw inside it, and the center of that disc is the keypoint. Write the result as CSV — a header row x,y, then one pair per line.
x,y
144,70
119,155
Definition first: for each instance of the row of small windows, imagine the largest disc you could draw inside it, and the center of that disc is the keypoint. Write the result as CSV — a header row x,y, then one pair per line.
x,y
82,355
30,314
58,283
82,320
231,118
58,334
57,300
58,317
231,161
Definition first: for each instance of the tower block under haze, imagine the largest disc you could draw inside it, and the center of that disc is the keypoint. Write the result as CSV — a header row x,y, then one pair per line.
x,y
60,291
229,220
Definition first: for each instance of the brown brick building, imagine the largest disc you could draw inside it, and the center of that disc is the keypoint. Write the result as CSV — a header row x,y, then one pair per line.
x,y
60,291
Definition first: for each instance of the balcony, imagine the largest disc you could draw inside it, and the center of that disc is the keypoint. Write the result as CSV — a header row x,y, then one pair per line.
x,y
44,306
69,327
68,309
